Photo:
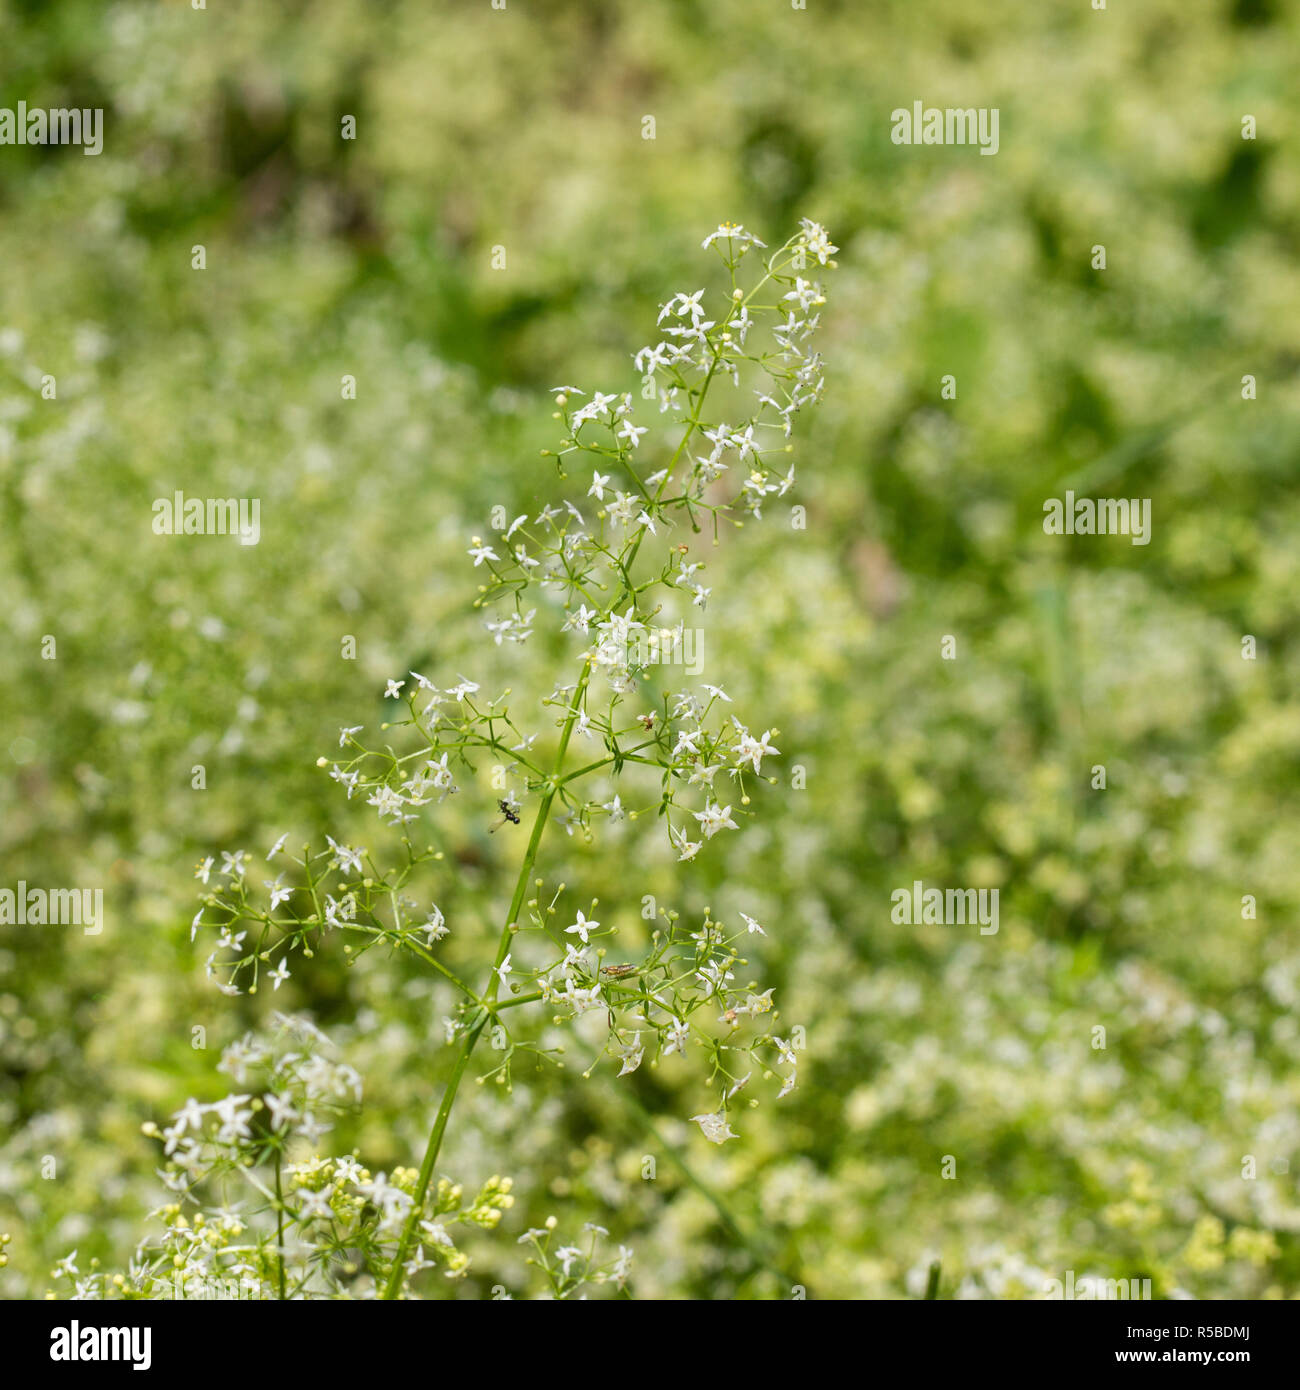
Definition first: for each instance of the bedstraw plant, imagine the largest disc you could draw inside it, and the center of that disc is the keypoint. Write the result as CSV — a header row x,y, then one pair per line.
x,y
614,562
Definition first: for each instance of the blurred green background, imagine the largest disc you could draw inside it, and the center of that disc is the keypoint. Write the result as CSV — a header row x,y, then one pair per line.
x,y
522,129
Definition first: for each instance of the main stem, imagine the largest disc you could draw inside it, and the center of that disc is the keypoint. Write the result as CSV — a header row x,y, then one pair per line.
x,y
279,1222
470,1040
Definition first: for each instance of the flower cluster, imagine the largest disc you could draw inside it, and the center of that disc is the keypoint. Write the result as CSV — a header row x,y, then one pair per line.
x,y
569,1268
259,1213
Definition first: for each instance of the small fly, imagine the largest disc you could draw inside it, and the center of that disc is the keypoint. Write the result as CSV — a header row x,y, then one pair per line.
x,y
508,813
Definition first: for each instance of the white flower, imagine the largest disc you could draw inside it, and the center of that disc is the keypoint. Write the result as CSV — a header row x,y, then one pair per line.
x,y
580,1000
756,1004
650,359
714,818
581,620
311,1128
806,292
752,750
481,552
582,927
686,739
690,304
436,927
434,1233
345,734
279,893
393,690
734,232
744,442
715,1127
615,808
281,1111
190,1115
388,802
234,1120
280,974
817,240
440,774
504,969
752,925
631,1053
348,779
314,1206
598,484
203,869
347,859
382,1194
688,848
347,1170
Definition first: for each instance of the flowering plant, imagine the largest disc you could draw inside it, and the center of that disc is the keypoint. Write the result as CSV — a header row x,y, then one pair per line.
x,y
613,567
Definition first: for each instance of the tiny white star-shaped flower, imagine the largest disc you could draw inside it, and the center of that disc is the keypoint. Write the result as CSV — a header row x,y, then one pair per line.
x,y
582,927
714,818
279,893
751,749
688,849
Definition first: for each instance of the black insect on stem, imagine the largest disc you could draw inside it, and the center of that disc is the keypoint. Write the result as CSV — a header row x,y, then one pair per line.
x,y
508,813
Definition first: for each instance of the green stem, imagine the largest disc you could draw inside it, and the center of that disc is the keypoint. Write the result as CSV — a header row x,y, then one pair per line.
x,y
394,1284
279,1223
489,995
